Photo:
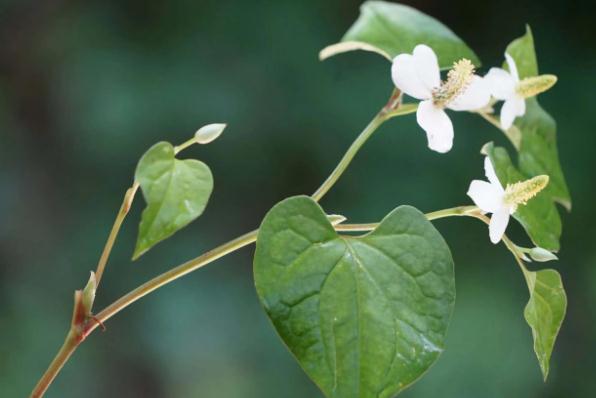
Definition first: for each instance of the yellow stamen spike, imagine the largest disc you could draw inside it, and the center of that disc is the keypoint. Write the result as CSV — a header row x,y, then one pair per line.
x,y
520,192
531,86
458,79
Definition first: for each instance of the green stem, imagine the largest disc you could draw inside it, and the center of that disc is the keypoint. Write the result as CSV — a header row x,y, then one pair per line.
x,y
69,346
170,276
124,208
184,145
512,247
385,114
513,133
348,156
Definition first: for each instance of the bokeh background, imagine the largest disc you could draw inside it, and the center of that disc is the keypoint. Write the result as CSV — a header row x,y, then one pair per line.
x,y
87,86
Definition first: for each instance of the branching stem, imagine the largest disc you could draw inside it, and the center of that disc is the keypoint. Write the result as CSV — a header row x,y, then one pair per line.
x,y
84,326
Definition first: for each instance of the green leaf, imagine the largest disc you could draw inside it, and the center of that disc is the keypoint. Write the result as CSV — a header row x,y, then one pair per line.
x,y
545,312
364,316
537,154
522,51
176,192
390,29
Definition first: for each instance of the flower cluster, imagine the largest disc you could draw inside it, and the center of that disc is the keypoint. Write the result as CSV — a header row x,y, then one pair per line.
x,y
418,75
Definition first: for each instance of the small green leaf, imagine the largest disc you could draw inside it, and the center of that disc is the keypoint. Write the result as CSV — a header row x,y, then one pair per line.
x,y
364,316
545,312
390,29
176,192
537,154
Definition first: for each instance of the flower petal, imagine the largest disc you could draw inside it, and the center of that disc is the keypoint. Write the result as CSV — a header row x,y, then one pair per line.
x,y
438,126
427,66
405,77
476,96
500,83
512,67
488,197
498,224
489,172
512,108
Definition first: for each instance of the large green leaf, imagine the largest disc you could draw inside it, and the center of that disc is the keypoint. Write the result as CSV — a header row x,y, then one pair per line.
x,y
537,155
176,192
545,312
390,29
365,316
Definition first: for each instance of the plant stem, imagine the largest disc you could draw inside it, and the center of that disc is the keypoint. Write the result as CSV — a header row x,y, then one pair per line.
x,y
124,208
435,215
184,145
512,133
348,156
512,247
170,276
69,346
385,114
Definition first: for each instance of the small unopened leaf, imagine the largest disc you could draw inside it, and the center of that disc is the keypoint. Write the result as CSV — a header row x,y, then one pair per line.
x,y
365,316
390,29
545,312
176,192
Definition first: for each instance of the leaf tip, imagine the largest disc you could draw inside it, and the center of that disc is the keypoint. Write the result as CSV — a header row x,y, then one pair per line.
x,y
138,252
487,148
347,46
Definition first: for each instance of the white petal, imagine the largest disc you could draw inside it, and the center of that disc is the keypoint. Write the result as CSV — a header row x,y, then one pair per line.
x,y
405,77
438,127
498,224
489,172
476,96
486,196
512,67
427,66
500,83
512,108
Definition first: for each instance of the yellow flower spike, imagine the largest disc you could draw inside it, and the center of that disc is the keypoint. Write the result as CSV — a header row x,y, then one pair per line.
x,y
458,79
532,86
520,192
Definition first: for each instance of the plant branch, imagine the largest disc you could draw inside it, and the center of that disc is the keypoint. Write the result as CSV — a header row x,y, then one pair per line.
x,y
348,156
124,209
513,133
393,108
170,276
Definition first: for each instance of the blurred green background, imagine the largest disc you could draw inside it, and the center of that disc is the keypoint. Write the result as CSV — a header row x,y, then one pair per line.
x,y
87,86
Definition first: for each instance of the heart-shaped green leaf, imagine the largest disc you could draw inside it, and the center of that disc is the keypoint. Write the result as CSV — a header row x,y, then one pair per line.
x,y
176,192
390,29
537,155
365,316
545,312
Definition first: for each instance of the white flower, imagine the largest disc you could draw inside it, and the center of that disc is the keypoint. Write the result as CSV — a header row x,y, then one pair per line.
x,y
507,86
491,197
418,75
503,86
